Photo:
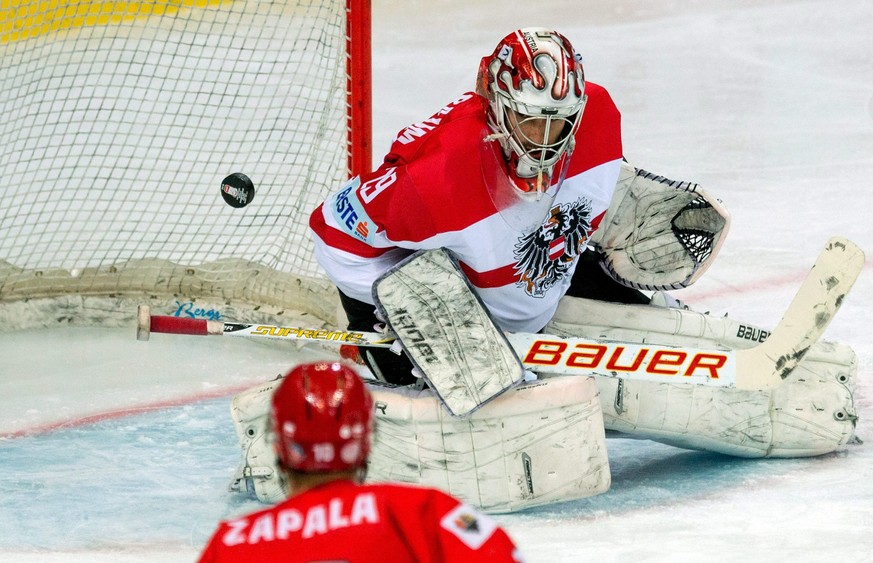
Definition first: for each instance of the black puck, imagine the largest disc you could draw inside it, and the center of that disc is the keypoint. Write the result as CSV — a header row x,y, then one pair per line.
x,y
237,190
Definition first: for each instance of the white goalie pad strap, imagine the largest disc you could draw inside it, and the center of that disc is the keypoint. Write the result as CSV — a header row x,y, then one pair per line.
x,y
538,443
811,413
257,474
660,233
446,331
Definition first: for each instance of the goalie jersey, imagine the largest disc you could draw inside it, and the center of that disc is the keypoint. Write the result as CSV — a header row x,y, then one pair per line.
x,y
445,183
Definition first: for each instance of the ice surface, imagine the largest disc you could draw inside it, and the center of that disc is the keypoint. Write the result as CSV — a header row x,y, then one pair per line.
x,y
768,104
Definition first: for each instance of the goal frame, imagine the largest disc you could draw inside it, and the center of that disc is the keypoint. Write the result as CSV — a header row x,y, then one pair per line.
x,y
108,293
360,88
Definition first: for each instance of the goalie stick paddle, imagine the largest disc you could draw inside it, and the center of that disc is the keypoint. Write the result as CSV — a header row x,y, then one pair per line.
x,y
762,367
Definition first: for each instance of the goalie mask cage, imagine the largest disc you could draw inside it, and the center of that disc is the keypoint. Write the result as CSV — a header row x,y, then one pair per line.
x,y
119,121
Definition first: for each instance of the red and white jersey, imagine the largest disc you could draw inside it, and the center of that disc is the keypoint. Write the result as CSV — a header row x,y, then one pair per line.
x,y
344,521
436,189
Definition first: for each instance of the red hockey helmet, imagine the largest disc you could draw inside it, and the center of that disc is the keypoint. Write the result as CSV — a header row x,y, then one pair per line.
x,y
322,417
533,74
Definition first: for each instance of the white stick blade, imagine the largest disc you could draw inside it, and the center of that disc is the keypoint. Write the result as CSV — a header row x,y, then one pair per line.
x,y
143,322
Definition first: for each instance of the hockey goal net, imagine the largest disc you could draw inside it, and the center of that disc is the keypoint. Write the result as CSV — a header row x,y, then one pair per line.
x,y
119,121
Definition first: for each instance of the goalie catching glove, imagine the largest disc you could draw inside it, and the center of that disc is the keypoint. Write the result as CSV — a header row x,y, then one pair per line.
x,y
659,233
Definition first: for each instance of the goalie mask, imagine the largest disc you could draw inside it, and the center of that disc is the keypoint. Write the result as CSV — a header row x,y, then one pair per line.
x,y
535,88
322,418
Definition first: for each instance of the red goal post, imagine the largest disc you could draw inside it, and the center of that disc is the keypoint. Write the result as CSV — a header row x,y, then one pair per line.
x,y
120,119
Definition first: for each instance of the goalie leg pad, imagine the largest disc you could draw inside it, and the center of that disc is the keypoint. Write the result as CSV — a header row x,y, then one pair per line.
x,y
538,443
258,473
811,413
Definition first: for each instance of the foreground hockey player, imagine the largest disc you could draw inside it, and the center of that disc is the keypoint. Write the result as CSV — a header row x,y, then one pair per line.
x,y
322,417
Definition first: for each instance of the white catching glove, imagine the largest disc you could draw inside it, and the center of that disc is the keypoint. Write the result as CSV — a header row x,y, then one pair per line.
x,y
660,233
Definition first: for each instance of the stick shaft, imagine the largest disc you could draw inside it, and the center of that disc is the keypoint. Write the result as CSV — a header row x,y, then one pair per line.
x,y
538,352
178,325
761,367
202,327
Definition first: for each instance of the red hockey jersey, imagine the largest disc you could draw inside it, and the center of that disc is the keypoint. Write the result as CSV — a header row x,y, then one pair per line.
x,y
344,521
445,184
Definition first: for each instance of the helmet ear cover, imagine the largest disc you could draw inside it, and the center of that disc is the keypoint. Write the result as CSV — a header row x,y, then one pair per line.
x,y
322,419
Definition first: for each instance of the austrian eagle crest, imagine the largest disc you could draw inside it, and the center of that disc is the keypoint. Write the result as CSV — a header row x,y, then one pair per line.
x,y
544,256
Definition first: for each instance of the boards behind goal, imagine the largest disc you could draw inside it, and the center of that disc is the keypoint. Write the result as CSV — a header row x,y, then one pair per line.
x,y
120,121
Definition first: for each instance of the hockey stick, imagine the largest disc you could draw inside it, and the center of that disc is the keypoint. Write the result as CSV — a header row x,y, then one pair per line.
x,y
762,367
538,352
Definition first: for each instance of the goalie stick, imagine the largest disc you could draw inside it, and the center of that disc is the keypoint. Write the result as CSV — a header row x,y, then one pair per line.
x,y
761,367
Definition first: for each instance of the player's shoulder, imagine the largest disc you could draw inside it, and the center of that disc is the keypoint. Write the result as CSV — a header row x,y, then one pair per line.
x,y
233,532
451,129
598,139
249,516
400,489
592,89
473,532
599,100
467,534
429,165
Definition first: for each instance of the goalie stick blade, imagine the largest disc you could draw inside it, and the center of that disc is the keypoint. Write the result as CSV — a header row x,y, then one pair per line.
x,y
765,366
143,322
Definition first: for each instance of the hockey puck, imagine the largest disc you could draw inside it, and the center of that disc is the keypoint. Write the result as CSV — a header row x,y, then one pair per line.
x,y
237,190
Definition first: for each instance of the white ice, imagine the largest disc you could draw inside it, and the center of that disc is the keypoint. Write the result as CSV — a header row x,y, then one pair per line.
x,y
767,103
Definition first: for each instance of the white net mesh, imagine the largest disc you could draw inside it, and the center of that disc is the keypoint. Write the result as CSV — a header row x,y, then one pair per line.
x,y
119,121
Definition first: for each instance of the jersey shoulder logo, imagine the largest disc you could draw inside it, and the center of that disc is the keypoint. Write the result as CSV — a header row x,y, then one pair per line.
x,y
545,255
349,212
472,528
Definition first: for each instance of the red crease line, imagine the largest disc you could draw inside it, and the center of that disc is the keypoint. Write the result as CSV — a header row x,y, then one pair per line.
x,y
121,413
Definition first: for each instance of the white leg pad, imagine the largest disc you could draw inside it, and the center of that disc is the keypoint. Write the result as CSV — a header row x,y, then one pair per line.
x,y
812,413
257,473
539,443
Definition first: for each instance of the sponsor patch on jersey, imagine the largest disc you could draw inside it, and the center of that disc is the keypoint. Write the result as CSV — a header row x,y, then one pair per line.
x,y
546,255
471,527
349,212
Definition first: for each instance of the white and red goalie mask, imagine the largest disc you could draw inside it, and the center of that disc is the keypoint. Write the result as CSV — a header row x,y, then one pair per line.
x,y
322,417
533,82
